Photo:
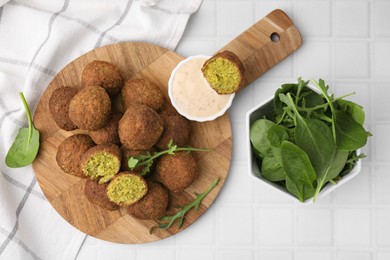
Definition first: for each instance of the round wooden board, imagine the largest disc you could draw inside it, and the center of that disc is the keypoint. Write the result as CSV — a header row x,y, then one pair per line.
x,y
66,193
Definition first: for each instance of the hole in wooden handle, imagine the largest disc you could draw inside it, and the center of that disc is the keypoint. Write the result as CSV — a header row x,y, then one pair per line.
x,y
275,37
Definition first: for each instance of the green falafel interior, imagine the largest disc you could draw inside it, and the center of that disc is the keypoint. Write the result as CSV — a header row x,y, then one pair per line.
x,y
102,164
126,189
223,75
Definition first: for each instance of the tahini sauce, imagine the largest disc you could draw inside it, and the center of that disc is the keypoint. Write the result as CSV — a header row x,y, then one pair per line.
x,y
193,94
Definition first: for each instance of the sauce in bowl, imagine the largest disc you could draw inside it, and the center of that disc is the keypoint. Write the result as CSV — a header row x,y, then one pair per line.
x,y
192,95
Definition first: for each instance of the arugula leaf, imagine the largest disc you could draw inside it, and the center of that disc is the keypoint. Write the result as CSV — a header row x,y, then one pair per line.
x,y
147,159
353,158
285,88
26,145
180,215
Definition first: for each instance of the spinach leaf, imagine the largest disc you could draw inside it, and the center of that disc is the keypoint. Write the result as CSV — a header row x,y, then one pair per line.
x,y
314,137
352,109
313,99
272,170
335,167
350,135
26,145
258,136
300,173
277,134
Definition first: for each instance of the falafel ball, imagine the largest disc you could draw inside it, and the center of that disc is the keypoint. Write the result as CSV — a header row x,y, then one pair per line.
x,y
59,107
109,132
140,127
153,205
90,108
97,194
144,92
127,153
70,152
176,128
103,74
126,188
102,161
177,171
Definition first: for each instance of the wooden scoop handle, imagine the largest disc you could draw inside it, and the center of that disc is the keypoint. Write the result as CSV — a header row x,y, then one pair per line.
x,y
256,49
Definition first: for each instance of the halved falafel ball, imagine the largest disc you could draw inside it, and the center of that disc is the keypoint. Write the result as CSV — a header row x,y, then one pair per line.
x,y
176,171
102,161
97,194
59,107
127,153
70,152
109,132
153,205
142,91
140,127
103,74
176,128
126,188
90,108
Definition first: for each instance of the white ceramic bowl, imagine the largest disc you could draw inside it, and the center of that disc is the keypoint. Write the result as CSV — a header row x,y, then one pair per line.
x,y
260,111
183,113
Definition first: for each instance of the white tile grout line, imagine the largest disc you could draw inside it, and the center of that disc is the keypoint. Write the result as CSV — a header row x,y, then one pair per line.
x,y
332,75
217,211
255,207
372,116
295,210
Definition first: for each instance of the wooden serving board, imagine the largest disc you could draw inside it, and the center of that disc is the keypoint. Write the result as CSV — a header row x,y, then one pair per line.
x,y
141,60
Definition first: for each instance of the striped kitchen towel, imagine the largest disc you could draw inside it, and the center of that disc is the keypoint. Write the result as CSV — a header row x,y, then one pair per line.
x,y
37,39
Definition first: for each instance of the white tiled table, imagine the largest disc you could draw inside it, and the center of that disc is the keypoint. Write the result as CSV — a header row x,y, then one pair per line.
x,y
348,44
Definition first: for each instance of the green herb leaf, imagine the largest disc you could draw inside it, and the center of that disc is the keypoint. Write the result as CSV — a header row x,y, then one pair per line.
x,y
272,169
180,215
300,172
350,135
148,159
352,109
26,145
277,134
314,137
132,162
258,136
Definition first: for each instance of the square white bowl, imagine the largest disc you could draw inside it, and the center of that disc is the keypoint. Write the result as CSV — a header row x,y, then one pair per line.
x,y
260,111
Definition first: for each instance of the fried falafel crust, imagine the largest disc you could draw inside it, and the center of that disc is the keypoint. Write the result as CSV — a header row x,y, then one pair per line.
x,y
59,107
140,127
153,205
90,108
103,74
97,194
144,92
177,171
70,152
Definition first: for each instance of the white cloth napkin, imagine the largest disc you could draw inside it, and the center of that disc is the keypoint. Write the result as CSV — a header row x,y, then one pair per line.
x,y
38,38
